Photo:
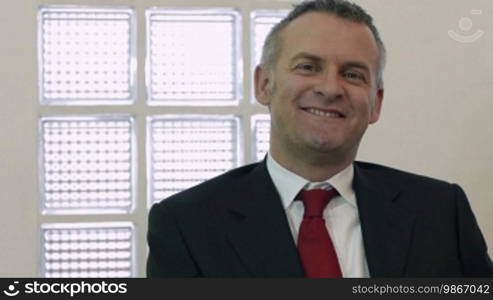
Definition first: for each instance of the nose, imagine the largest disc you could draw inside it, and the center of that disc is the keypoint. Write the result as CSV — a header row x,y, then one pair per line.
x,y
328,86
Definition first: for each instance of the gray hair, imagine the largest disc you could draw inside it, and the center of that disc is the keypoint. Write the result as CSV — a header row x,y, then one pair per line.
x,y
340,8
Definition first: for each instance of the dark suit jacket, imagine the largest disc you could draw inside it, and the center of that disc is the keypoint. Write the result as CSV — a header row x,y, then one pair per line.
x,y
235,226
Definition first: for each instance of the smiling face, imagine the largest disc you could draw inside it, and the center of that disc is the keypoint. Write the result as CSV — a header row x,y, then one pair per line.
x,y
322,92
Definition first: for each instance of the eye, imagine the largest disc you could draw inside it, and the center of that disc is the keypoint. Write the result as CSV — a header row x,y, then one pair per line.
x,y
352,75
307,67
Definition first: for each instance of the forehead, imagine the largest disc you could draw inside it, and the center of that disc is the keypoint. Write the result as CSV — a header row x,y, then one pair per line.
x,y
329,37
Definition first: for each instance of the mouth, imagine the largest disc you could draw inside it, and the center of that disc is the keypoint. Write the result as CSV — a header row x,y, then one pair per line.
x,y
328,113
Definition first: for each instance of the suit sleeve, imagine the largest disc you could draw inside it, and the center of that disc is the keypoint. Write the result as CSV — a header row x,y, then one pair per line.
x,y
472,246
168,253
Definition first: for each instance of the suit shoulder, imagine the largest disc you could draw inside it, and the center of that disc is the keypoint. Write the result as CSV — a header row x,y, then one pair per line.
x,y
222,184
397,176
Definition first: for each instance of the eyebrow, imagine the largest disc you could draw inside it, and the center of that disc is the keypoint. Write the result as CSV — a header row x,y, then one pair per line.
x,y
307,56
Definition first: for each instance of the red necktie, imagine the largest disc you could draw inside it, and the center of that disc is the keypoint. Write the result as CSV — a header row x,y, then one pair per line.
x,y
317,253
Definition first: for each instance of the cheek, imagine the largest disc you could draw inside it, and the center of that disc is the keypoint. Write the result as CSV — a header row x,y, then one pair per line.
x,y
290,90
363,103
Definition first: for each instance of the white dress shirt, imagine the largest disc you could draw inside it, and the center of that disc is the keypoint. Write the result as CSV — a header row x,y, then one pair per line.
x,y
341,214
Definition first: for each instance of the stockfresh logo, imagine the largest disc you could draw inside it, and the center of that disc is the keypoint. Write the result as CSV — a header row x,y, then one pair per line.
x,y
12,290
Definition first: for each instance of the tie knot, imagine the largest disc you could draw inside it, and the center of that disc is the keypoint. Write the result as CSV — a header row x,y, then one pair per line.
x,y
315,201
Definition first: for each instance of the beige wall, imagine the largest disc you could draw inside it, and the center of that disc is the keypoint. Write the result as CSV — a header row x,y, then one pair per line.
x,y
18,157
437,113
436,117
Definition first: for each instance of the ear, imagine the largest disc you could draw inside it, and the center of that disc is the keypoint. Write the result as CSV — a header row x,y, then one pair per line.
x,y
377,106
262,81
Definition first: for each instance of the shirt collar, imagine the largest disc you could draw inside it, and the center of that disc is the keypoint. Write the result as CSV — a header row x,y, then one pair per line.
x,y
288,184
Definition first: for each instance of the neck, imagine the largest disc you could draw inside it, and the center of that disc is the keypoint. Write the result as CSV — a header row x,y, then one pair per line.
x,y
313,167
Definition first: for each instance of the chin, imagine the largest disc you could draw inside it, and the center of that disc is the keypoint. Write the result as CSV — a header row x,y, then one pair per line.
x,y
322,147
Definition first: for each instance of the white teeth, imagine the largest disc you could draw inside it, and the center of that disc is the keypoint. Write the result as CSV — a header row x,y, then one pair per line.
x,y
322,113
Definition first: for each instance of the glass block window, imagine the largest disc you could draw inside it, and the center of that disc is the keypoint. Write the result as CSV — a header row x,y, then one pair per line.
x,y
88,250
262,22
186,150
261,136
87,164
86,55
193,57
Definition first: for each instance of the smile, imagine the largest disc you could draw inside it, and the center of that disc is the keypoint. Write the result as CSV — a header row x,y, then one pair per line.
x,y
323,113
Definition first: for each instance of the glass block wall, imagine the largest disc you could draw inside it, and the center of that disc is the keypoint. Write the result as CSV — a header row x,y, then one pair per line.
x,y
184,69
261,23
260,133
108,152
88,250
87,164
86,55
187,150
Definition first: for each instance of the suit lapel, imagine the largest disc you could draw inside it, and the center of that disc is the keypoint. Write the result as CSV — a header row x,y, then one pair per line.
x,y
259,230
386,227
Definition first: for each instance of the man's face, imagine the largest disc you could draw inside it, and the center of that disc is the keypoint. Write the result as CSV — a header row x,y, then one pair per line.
x,y
322,91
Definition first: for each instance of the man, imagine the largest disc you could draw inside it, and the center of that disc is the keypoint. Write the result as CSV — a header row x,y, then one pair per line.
x,y
321,77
